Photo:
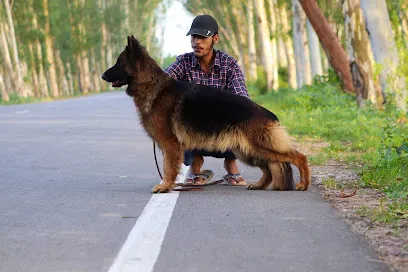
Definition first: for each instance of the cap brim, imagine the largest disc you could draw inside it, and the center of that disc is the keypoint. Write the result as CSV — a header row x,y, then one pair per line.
x,y
201,32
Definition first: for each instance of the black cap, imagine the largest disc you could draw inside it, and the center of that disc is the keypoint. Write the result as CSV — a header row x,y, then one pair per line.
x,y
203,25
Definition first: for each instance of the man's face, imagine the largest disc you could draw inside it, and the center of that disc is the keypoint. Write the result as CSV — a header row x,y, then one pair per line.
x,y
203,46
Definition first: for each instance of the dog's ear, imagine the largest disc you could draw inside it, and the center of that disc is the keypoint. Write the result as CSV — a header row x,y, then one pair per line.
x,y
129,46
133,44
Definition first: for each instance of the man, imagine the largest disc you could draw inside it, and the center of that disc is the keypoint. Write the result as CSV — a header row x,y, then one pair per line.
x,y
208,66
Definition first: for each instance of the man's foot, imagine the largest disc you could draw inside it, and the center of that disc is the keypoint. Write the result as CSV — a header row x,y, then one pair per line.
x,y
199,179
235,180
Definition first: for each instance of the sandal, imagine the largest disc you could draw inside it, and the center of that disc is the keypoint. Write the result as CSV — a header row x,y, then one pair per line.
x,y
235,180
206,175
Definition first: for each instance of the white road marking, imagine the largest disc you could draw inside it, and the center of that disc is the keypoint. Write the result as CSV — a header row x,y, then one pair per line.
x,y
142,247
22,111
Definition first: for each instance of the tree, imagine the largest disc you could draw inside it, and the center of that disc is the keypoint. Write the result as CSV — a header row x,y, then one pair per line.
x,y
331,44
385,49
19,85
359,50
252,73
314,47
265,42
302,55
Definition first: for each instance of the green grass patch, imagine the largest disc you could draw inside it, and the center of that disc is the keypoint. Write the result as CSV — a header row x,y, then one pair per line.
x,y
373,141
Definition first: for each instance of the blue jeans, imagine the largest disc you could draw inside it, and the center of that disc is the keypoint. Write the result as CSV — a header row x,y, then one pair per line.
x,y
189,155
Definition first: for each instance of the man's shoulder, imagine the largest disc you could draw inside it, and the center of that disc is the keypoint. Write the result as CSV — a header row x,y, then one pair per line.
x,y
225,58
186,57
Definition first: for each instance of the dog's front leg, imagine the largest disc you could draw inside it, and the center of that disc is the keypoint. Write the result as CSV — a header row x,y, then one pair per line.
x,y
173,157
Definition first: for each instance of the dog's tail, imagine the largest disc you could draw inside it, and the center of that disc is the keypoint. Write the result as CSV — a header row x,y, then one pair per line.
x,y
276,138
282,176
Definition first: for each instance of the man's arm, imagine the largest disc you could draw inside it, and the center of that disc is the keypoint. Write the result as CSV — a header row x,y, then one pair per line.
x,y
176,69
236,81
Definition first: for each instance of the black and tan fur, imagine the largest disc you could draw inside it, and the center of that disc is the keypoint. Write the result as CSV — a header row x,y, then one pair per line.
x,y
183,116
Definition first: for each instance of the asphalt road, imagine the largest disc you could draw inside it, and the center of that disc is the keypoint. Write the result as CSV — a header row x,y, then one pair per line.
x,y
75,176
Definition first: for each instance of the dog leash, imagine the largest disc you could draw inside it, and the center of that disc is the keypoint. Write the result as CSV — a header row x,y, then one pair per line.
x,y
185,187
155,159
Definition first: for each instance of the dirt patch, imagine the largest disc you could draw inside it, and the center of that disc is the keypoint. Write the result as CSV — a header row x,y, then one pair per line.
x,y
338,184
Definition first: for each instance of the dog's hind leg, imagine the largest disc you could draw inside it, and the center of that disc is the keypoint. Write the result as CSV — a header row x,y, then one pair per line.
x,y
300,161
173,158
264,182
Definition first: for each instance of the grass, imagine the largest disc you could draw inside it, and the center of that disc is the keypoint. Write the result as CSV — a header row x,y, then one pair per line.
x,y
375,142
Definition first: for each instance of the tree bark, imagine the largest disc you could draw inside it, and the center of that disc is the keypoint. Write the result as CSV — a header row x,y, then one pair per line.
x,y
34,75
240,37
265,42
8,65
95,73
274,44
358,48
284,19
19,73
52,74
85,72
385,49
3,90
335,53
302,56
70,80
253,74
61,74
314,47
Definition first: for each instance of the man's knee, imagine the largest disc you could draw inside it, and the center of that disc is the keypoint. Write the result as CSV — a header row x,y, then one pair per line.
x,y
188,157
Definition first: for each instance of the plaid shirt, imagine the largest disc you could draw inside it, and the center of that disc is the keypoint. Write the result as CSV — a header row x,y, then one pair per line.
x,y
224,74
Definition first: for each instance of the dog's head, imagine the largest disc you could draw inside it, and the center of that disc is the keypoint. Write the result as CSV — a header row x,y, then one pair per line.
x,y
125,69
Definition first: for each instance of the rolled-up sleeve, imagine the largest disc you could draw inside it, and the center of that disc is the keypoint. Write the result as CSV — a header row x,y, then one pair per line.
x,y
176,69
236,81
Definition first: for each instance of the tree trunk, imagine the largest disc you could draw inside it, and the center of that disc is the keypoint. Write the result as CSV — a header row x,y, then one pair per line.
x,y
240,38
384,48
282,58
34,75
358,48
314,46
274,44
79,72
335,53
253,74
61,74
3,90
403,17
109,52
95,73
19,73
42,80
41,73
85,72
302,57
284,19
52,74
265,42
8,65
70,80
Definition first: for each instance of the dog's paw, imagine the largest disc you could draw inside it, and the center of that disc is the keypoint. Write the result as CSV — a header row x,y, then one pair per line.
x,y
160,189
301,186
255,186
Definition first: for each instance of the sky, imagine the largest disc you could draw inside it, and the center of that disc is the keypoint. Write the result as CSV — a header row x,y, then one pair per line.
x,y
177,23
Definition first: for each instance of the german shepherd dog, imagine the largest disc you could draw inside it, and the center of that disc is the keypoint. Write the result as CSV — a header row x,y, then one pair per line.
x,y
182,116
